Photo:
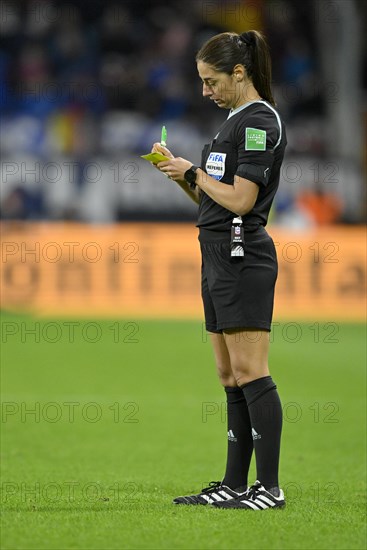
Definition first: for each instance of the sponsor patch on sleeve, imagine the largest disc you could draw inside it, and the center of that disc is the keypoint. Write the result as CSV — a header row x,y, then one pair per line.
x,y
255,139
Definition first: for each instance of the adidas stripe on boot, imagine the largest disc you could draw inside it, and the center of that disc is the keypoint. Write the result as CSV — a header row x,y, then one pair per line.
x,y
255,498
216,492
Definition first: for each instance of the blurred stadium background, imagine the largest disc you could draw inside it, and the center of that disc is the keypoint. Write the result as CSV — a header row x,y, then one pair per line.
x,y
85,88
90,230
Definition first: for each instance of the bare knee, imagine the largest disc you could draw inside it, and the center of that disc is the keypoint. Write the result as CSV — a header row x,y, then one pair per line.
x,y
248,350
226,378
247,371
222,360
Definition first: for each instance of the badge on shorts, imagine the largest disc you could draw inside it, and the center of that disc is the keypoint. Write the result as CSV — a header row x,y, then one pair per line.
x,y
255,139
216,165
237,238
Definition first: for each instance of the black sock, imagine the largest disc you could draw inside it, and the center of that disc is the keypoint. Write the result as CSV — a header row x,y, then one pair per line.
x,y
266,421
240,444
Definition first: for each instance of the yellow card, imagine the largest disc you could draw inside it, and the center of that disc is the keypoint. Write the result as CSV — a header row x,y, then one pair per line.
x,y
155,157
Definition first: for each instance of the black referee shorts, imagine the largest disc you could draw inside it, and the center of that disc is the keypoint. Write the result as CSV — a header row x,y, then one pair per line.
x,y
238,292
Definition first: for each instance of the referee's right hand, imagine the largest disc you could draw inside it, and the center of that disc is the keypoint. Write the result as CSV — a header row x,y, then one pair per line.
x,y
158,148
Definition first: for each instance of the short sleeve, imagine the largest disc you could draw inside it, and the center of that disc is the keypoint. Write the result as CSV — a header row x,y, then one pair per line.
x,y
257,137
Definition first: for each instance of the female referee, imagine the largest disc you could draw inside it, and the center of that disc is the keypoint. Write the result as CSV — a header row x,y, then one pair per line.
x,y
235,187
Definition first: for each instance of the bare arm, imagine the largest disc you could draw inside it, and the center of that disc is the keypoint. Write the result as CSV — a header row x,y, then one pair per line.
x,y
194,194
238,198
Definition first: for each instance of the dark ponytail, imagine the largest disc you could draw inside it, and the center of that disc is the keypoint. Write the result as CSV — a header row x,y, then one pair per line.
x,y
249,49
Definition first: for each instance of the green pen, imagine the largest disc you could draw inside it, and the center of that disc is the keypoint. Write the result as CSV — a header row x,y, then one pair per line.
x,y
164,137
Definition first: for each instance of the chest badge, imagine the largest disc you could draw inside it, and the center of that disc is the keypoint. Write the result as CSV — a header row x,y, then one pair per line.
x,y
216,165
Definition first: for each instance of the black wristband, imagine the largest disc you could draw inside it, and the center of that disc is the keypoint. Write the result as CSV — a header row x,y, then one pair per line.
x,y
190,176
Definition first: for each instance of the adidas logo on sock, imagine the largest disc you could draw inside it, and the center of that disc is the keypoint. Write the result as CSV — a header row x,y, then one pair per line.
x,y
231,436
255,435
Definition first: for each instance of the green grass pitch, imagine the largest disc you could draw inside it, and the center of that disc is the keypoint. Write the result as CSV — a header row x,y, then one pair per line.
x,y
129,414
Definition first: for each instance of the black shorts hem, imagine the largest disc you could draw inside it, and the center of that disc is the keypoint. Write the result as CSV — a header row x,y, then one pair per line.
x,y
218,329
245,324
211,328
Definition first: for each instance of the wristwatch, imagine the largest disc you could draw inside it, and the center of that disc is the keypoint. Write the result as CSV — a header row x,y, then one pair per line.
x,y
190,176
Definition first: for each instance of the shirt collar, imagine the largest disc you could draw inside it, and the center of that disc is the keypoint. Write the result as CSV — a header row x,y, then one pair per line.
x,y
233,112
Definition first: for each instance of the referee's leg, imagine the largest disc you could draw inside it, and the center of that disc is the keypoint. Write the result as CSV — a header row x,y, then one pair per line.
x,y
222,360
248,351
240,444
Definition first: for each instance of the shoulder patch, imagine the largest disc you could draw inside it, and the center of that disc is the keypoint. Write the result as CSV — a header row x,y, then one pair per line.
x,y
255,139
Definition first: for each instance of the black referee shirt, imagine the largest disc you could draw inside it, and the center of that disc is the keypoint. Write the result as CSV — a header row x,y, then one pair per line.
x,y
250,144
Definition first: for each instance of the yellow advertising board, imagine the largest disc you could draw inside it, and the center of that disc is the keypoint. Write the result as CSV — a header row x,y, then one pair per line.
x,y
153,270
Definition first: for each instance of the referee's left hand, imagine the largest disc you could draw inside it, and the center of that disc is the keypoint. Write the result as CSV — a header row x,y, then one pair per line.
x,y
175,168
